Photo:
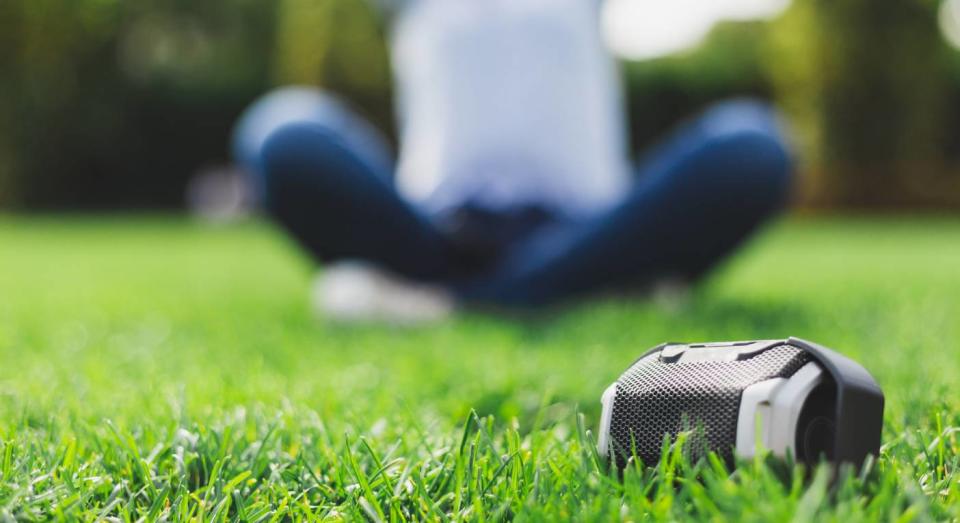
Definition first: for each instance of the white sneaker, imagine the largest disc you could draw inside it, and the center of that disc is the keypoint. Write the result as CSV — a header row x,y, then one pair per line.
x,y
357,292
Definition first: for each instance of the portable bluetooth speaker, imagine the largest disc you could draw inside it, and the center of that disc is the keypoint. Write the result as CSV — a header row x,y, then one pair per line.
x,y
786,396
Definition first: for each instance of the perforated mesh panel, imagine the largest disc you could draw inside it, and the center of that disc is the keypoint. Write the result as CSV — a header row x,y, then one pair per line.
x,y
655,398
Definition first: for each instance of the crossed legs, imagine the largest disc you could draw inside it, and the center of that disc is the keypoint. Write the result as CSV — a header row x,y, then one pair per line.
x,y
698,196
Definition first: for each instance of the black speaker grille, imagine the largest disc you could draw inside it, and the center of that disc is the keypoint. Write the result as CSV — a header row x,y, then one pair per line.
x,y
655,398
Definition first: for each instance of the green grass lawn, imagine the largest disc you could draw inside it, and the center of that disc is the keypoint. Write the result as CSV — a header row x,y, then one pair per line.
x,y
156,368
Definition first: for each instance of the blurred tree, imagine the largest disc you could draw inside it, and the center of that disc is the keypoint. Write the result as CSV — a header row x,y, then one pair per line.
x,y
866,82
110,103
340,46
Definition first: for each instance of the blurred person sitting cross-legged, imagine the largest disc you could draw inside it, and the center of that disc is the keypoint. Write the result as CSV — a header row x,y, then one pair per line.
x,y
512,185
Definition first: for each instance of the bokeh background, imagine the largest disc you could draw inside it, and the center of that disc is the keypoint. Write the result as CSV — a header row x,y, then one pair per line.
x,y
150,363
113,104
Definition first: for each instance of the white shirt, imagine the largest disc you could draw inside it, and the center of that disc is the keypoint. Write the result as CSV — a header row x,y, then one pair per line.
x,y
507,102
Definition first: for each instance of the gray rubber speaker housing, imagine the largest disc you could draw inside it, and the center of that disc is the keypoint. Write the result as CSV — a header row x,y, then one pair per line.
x,y
787,396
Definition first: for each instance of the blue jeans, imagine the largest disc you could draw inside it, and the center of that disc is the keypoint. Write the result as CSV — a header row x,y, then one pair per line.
x,y
697,196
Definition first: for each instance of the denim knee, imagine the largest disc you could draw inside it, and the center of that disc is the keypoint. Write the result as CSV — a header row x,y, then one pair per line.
x,y
742,114
750,136
308,105
292,154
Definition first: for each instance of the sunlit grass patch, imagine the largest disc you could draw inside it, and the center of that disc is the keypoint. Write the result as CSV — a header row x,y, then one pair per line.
x,y
153,368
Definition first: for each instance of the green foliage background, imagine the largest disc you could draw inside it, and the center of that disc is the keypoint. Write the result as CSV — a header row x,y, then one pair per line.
x,y
113,103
